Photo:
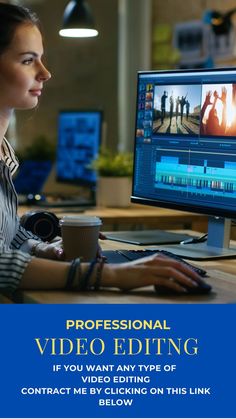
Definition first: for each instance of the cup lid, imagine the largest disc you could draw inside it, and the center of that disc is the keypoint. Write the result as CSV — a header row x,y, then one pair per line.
x,y
80,220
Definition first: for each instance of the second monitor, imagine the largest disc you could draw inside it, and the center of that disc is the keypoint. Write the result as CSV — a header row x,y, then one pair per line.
x,y
79,138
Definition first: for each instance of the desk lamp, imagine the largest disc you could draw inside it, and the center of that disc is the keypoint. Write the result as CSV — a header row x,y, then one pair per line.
x,y
78,20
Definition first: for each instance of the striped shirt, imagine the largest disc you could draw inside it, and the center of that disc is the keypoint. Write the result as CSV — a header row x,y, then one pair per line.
x,y
13,260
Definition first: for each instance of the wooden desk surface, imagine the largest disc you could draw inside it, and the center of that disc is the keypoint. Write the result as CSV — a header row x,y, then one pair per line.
x,y
222,277
136,215
137,211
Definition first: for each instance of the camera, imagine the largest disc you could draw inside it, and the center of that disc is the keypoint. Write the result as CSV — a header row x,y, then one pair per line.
x,y
43,224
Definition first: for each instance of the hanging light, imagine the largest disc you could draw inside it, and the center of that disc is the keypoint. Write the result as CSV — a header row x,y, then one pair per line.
x,y
78,20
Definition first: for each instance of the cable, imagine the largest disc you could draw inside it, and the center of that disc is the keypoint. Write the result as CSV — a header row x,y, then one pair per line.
x,y
200,239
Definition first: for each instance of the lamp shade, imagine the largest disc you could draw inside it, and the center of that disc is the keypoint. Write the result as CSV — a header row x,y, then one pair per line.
x,y
78,20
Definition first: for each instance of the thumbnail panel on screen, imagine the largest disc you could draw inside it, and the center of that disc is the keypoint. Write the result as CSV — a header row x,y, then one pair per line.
x,y
218,110
177,109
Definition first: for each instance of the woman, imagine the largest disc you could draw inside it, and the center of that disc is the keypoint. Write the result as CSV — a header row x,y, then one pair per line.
x,y
25,261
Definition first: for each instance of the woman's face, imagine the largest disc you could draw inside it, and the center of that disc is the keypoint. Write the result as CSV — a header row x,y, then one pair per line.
x,y
22,73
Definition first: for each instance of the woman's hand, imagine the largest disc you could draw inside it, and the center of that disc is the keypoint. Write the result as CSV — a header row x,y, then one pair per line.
x,y
101,237
223,95
156,270
208,99
52,250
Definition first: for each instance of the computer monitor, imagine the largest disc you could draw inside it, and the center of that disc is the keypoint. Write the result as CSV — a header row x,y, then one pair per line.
x,y
31,177
185,150
79,138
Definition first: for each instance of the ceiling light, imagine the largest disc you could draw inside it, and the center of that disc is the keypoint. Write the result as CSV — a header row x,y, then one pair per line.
x,y
78,20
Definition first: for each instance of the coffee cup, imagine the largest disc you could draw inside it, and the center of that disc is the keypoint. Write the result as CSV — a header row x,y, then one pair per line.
x,y
80,235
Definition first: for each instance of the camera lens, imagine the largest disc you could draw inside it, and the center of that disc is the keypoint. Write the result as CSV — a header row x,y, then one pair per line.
x,y
43,224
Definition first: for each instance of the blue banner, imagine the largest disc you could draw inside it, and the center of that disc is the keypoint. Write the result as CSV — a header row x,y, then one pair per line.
x,y
132,361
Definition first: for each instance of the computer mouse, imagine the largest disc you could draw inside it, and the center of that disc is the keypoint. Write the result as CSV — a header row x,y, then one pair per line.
x,y
202,288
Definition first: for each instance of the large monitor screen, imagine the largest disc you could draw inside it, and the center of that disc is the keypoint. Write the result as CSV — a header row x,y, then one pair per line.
x,y
185,141
79,137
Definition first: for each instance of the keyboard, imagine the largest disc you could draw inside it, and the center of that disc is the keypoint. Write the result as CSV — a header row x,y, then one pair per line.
x,y
121,256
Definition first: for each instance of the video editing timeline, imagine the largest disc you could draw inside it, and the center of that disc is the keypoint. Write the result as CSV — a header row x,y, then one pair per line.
x,y
189,123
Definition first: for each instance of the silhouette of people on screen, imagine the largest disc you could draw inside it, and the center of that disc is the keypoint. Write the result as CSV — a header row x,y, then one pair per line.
x,y
171,107
212,125
231,130
163,106
182,102
187,108
177,107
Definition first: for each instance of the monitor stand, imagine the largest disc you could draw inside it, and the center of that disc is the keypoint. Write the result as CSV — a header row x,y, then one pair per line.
x,y
216,247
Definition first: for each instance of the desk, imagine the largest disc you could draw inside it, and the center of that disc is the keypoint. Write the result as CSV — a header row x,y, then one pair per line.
x,y
136,217
222,277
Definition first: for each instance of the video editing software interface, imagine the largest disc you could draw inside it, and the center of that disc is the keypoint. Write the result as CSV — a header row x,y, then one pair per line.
x,y
79,137
185,146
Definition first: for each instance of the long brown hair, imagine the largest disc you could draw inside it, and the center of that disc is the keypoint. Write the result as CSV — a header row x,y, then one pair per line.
x,y
12,16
